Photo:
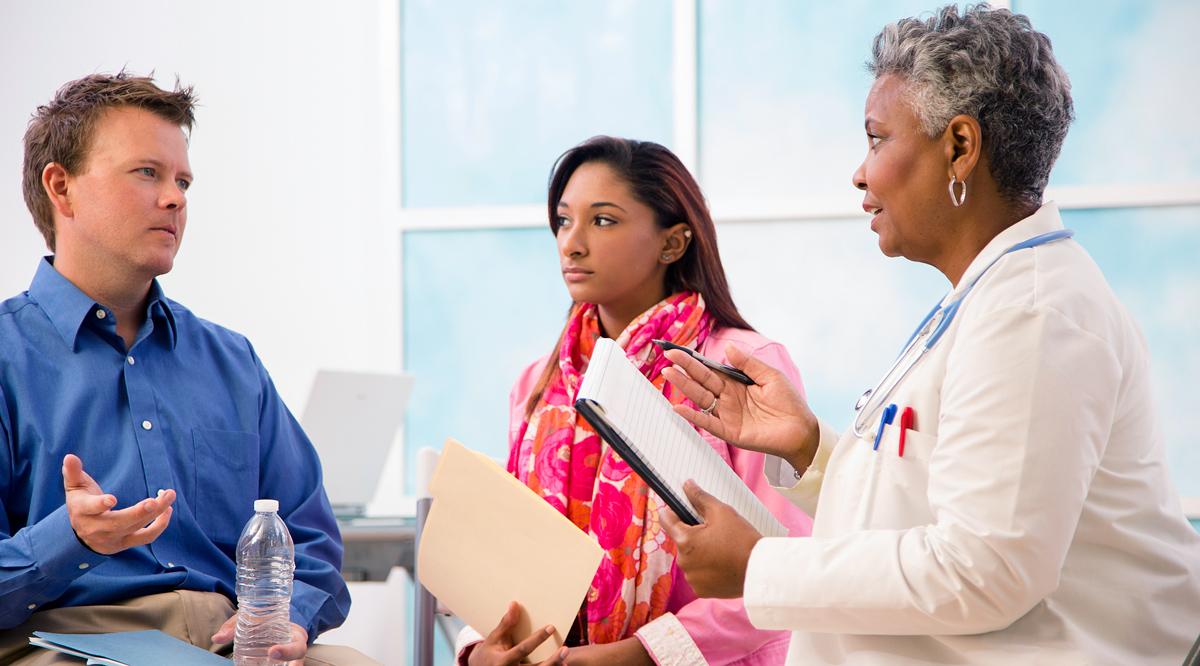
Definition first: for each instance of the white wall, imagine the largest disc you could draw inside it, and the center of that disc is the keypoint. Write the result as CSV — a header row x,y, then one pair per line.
x,y
290,237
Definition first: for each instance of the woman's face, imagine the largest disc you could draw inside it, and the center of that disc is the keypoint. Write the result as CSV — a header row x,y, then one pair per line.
x,y
904,176
609,244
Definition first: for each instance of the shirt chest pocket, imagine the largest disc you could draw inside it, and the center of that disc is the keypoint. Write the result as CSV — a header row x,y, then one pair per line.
x,y
226,481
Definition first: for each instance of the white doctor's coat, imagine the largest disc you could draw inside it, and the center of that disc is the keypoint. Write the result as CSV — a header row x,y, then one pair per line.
x,y
1031,518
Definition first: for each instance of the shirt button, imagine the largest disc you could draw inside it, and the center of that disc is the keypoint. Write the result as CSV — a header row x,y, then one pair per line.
x,y
101,314
129,360
31,606
146,425
84,565
170,564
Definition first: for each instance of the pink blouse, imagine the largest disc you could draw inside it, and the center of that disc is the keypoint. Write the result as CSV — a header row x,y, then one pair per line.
x,y
713,631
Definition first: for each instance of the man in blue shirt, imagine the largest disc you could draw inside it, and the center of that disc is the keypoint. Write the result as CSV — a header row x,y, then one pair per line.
x,y
135,436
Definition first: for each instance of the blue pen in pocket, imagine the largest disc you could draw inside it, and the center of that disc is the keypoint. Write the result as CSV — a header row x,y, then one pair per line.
x,y
889,413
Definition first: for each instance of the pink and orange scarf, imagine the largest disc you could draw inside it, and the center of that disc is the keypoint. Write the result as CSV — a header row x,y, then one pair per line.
x,y
558,455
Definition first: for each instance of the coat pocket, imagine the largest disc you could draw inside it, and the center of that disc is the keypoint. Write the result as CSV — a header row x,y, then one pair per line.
x,y
877,488
902,494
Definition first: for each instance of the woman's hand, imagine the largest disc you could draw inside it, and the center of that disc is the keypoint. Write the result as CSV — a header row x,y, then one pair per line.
x,y
499,648
770,416
713,555
625,652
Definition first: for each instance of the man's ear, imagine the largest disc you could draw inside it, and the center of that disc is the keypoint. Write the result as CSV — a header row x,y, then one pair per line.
x,y
56,183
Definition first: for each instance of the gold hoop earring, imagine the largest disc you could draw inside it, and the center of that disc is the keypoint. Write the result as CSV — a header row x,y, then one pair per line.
x,y
956,199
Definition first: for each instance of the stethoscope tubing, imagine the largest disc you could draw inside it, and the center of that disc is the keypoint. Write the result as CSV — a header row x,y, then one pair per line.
x,y
939,319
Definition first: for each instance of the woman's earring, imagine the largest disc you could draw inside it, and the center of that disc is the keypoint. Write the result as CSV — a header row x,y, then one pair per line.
x,y
666,257
954,198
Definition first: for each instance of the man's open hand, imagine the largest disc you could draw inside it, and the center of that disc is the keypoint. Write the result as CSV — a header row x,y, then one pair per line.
x,y
101,528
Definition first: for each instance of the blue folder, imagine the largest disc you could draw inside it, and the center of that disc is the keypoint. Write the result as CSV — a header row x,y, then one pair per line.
x,y
128,648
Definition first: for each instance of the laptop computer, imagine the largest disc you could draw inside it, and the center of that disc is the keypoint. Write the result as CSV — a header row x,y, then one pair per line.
x,y
352,419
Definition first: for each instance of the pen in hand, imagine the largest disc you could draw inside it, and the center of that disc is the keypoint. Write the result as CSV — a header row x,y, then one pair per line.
x,y
727,370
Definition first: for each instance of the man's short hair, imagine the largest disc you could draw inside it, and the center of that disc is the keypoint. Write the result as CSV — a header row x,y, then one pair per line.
x,y
61,131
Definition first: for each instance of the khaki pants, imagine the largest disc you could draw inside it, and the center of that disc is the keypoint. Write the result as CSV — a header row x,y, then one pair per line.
x,y
189,616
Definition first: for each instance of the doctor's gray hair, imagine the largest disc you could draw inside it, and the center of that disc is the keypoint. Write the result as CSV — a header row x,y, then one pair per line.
x,y
992,65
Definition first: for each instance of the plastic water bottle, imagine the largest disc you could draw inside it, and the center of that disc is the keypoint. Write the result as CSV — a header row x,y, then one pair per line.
x,y
265,563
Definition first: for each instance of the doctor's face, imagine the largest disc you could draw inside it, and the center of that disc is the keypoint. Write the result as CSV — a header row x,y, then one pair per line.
x,y
609,242
903,177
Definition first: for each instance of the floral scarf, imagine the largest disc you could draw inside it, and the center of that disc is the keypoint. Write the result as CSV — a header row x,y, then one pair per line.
x,y
558,455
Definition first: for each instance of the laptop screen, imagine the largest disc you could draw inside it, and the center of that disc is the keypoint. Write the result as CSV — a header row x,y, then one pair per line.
x,y
352,419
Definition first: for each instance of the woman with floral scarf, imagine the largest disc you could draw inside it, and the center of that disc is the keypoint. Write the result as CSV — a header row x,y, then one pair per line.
x,y
638,252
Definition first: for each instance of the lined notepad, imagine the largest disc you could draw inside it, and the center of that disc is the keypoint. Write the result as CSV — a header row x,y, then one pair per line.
x,y
637,420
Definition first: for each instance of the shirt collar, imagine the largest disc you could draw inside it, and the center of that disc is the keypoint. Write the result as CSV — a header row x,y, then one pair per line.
x,y
158,309
1044,220
68,307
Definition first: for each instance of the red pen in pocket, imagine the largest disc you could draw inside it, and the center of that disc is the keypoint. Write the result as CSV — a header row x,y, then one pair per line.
x,y
906,422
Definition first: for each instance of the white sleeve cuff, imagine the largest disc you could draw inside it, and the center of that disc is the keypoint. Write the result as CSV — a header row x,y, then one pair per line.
x,y
669,644
803,492
466,638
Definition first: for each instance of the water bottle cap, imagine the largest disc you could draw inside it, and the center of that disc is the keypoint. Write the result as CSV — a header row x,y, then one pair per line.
x,y
266,506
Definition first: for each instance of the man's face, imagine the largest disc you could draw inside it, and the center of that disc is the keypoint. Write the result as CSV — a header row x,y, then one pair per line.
x,y
128,201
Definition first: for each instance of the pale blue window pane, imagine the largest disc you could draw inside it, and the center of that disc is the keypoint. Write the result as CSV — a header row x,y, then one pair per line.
x,y
478,307
782,89
824,290
495,91
1133,66
1149,257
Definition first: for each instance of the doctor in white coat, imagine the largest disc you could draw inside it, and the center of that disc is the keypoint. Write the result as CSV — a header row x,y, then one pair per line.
x,y
1001,495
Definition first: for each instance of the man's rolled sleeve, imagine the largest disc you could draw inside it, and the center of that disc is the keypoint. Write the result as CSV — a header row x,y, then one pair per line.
x,y
38,563
314,609
59,554
292,474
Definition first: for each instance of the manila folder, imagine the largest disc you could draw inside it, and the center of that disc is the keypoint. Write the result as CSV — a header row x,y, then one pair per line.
x,y
489,540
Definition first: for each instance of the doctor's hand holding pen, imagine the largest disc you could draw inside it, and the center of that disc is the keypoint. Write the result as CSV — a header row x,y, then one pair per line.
x,y
769,416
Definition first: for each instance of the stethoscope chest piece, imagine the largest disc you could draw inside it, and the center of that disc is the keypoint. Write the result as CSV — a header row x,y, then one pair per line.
x,y
862,400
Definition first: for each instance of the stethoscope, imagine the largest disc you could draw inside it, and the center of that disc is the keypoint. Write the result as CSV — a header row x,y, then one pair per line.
x,y
928,332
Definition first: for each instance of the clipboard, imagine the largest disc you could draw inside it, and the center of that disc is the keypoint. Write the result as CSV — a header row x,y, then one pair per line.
x,y
634,417
594,414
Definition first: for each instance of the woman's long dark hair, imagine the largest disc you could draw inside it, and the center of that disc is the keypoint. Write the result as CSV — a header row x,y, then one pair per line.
x,y
659,180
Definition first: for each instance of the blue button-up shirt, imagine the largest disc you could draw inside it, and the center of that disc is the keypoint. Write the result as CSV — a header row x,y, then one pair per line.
x,y
188,407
